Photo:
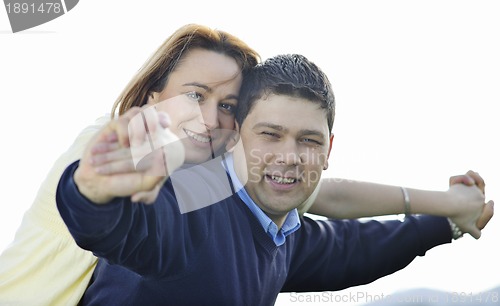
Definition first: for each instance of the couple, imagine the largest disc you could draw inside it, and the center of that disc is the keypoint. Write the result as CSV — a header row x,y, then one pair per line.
x,y
253,244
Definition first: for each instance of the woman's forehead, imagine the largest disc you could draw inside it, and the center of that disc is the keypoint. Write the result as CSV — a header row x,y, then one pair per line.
x,y
208,61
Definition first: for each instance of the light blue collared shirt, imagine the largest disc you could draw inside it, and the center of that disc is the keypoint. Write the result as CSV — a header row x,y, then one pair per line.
x,y
292,221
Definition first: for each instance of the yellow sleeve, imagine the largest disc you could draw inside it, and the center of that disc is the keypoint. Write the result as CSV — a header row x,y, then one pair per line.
x,y
43,265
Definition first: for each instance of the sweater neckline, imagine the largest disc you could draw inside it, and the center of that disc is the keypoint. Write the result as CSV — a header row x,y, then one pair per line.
x,y
258,231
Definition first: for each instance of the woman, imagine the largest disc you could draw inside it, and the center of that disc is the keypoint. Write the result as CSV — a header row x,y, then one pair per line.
x,y
43,251
43,265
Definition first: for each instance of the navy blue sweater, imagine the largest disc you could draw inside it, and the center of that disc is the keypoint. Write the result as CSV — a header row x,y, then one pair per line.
x,y
220,255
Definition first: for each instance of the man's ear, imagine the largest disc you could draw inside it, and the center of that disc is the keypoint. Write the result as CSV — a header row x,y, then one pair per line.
x,y
329,150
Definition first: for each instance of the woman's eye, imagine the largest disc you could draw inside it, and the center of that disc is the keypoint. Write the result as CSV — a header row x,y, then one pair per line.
x,y
227,107
195,96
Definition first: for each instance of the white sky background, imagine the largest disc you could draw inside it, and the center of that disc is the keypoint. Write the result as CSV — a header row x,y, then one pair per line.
x,y
416,83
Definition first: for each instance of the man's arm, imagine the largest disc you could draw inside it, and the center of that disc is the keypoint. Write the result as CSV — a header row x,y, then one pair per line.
x,y
337,254
97,206
140,237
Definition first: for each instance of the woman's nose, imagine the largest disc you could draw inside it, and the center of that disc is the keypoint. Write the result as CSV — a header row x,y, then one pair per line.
x,y
209,114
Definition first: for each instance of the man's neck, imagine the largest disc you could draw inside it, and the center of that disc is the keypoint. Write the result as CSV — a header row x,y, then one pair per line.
x,y
279,220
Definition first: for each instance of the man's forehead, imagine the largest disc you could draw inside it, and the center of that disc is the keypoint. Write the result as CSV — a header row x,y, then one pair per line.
x,y
283,111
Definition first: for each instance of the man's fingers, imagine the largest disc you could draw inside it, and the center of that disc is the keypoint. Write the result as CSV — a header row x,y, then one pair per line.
x,y
121,161
151,119
147,197
121,126
116,167
137,130
104,147
486,215
164,119
475,232
105,153
483,219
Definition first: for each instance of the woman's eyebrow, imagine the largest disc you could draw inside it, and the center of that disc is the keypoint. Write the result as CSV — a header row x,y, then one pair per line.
x,y
231,96
209,89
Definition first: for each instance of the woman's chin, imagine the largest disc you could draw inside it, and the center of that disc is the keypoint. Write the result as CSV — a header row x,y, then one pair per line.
x,y
197,156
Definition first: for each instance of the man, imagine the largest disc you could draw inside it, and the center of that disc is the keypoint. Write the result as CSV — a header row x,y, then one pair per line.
x,y
246,248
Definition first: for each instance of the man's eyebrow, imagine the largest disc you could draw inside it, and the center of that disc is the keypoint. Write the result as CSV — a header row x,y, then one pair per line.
x,y
284,129
311,133
209,89
269,125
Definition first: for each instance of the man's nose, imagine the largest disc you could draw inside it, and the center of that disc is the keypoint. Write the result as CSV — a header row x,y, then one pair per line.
x,y
288,153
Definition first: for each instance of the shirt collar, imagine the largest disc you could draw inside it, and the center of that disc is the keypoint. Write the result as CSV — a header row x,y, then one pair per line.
x,y
292,221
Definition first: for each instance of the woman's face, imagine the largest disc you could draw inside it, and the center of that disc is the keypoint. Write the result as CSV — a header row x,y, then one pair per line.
x,y
200,97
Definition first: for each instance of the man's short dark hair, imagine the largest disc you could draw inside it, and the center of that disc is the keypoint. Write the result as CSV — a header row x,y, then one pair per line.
x,y
292,75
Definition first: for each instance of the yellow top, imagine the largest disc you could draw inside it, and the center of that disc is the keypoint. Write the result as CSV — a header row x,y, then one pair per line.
x,y
43,265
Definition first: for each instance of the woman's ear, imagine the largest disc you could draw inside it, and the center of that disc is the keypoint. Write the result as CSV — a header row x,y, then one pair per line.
x,y
233,138
153,98
237,127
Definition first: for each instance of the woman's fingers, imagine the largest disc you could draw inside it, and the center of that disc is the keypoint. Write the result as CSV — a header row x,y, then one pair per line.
x,y
462,179
469,179
478,180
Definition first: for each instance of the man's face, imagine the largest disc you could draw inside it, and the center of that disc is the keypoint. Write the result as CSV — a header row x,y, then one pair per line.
x,y
286,145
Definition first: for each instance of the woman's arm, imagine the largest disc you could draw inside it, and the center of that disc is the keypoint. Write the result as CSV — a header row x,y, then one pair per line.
x,y
463,203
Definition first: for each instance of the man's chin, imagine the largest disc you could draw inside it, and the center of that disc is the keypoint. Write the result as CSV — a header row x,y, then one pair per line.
x,y
278,210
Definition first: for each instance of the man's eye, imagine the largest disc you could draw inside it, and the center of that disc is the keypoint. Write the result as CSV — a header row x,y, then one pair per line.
x,y
270,134
195,96
311,141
